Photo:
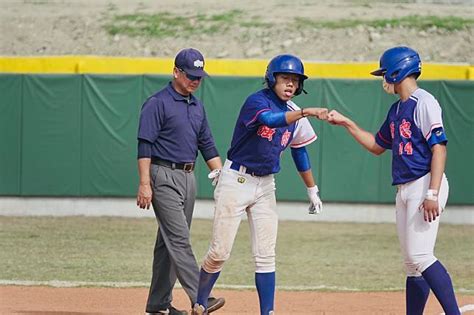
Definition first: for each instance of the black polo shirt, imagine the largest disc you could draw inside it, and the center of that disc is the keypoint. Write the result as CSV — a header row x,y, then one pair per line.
x,y
176,127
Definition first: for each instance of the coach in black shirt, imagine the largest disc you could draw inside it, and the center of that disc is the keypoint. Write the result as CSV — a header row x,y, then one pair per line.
x,y
173,127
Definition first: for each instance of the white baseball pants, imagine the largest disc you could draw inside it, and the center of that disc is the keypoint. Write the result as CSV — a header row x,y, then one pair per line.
x,y
417,237
238,193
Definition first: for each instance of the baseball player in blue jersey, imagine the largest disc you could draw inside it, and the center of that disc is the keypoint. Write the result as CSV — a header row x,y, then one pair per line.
x,y
268,123
414,131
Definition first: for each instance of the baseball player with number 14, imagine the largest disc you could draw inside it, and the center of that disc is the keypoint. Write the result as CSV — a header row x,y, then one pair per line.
x,y
268,123
414,131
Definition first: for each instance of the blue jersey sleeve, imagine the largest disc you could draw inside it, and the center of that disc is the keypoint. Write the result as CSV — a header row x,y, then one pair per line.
x,y
384,136
255,105
151,120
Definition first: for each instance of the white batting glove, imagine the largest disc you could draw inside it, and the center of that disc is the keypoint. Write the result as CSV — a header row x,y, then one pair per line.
x,y
316,205
214,176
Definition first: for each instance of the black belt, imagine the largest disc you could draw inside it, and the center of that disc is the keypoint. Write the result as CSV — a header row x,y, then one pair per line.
x,y
187,167
236,167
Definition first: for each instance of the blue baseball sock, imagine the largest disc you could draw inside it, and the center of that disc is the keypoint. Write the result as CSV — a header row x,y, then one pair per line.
x,y
417,292
440,282
206,283
265,283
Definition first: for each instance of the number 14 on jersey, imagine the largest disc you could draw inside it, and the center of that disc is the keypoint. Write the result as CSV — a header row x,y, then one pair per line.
x,y
405,147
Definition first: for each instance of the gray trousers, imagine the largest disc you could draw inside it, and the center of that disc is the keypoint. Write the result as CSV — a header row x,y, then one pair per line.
x,y
174,193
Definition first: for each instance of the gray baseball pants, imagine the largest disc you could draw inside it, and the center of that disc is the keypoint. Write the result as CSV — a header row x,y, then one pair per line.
x,y
174,193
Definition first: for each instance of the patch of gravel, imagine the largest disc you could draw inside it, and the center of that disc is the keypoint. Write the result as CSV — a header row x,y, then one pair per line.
x,y
68,27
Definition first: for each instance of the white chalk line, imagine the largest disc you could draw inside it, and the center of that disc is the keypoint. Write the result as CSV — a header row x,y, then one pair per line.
x,y
110,284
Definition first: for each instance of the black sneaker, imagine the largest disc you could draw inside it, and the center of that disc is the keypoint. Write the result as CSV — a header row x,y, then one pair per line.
x,y
169,311
174,311
213,304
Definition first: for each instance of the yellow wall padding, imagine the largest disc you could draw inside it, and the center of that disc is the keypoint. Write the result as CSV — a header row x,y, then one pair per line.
x,y
225,67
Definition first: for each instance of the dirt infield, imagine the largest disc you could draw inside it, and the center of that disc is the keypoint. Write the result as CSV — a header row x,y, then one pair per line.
x,y
49,301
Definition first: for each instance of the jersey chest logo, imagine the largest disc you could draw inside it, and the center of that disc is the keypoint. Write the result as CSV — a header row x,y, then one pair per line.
x,y
285,138
405,131
266,132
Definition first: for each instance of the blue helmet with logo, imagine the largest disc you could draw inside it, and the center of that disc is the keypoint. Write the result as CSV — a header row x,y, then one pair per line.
x,y
398,63
285,64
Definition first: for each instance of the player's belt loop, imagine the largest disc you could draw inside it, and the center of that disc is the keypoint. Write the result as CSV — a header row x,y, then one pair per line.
x,y
242,169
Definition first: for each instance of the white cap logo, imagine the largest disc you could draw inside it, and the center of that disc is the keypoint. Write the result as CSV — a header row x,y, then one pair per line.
x,y
199,63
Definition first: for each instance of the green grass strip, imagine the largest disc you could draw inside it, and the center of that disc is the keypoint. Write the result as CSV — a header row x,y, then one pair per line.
x,y
309,254
449,23
166,24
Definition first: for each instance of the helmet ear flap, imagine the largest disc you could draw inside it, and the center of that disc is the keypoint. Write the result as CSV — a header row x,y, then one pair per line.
x,y
390,76
300,87
270,77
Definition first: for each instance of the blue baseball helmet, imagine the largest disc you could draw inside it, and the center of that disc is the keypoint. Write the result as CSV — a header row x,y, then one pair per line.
x,y
397,63
285,64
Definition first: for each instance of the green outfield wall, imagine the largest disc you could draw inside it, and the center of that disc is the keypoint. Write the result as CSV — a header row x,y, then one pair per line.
x,y
75,135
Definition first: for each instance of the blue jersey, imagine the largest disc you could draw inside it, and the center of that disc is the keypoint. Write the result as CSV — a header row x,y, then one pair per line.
x,y
258,147
410,130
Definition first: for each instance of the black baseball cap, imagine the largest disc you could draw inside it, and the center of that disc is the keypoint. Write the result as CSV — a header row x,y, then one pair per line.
x,y
191,61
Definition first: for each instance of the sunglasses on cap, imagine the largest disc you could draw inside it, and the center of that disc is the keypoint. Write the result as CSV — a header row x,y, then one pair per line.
x,y
190,76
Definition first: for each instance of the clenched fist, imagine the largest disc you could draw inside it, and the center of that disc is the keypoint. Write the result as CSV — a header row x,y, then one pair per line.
x,y
320,113
336,118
